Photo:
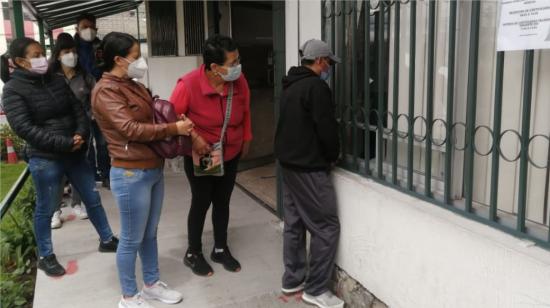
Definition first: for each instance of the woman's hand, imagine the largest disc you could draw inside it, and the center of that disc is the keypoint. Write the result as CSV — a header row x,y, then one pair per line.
x,y
185,127
245,149
200,145
77,142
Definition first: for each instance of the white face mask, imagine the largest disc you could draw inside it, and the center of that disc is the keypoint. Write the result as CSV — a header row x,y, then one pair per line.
x,y
137,69
69,59
233,73
88,34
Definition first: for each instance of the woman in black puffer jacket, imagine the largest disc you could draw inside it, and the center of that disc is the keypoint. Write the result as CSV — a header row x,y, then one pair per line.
x,y
42,110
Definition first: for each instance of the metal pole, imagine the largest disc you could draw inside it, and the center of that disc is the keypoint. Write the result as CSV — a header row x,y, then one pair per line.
x,y
18,19
137,18
525,131
353,95
471,106
50,35
395,89
430,100
41,33
366,86
412,72
450,103
381,83
497,120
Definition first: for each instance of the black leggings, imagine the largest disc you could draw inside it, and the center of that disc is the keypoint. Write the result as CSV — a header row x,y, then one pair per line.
x,y
208,190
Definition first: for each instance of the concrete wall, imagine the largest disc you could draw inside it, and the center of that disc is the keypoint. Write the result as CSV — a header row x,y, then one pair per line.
x,y
410,253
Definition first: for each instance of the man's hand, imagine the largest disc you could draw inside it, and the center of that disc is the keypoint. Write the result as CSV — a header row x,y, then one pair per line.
x,y
246,149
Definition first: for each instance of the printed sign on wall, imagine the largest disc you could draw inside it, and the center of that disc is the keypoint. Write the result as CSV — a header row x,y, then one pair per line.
x,y
524,24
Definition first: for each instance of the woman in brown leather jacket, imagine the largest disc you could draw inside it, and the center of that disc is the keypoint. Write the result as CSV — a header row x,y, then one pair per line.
x,y
122,108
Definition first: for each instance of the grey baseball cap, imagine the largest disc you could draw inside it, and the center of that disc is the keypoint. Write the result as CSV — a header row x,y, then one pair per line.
x,y
314,49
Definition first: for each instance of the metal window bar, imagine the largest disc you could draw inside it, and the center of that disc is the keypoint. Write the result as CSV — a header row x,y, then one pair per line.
x,y
341,27
194,27
367,89
381,89
395,85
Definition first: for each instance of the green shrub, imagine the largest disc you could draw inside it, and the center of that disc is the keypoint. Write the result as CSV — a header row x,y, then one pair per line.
x,y
18,143
18,251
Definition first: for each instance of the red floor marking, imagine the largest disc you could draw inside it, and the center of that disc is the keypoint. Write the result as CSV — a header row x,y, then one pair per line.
x,y
70,217
72,267
283,298
298,297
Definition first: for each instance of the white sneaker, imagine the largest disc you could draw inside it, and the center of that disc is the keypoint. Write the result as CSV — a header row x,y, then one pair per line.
x,y
160,291
56,220
80,211
325,300
134,302
297,289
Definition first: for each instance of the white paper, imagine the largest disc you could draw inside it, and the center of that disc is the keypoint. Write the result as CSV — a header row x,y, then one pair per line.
x,y
523,25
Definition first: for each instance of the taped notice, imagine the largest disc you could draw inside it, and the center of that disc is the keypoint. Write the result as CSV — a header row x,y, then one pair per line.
x,y
523,25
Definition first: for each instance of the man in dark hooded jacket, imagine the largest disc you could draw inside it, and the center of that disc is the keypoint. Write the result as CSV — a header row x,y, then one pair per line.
x,y
307,146
90,58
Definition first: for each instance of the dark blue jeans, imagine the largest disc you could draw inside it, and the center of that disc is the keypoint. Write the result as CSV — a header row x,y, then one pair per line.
x,y
98,154
47,175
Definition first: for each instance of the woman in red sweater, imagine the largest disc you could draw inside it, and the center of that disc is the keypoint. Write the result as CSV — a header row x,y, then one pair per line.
x,y
202,96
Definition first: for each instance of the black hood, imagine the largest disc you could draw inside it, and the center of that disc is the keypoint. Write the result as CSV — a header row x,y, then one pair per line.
x,y
297,73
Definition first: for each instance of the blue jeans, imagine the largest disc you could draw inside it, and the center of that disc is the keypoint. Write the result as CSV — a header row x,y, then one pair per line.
x,y
47,175
139,194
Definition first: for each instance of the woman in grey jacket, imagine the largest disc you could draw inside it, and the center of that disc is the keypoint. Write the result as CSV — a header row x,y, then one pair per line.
x,y
64,63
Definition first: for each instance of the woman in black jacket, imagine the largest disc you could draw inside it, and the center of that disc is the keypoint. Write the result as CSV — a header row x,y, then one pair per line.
x,y
42,110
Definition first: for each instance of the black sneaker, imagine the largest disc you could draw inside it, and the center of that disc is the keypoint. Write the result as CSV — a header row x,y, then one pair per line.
x,y
197,263
226,259
50,266
109,246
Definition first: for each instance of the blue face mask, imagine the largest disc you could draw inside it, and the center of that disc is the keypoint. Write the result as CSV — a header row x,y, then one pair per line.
x,y
233,73
325,75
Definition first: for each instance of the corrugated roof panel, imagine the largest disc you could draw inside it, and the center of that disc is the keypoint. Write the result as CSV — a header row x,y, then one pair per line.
x,y
61,13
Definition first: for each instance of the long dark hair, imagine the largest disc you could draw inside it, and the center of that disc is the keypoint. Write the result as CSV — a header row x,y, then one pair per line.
x,y
64,41
116,44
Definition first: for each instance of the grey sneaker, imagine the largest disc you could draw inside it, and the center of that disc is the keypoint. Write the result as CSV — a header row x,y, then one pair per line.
x,y
325,300
134,302
160,291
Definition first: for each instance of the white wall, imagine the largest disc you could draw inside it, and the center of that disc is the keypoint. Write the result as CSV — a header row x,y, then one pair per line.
x,y
164,72
304,16
410,253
